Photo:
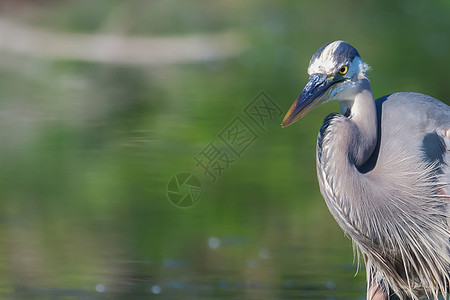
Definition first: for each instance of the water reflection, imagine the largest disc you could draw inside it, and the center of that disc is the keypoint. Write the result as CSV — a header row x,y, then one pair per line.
x,y
156,289
213,242
88,147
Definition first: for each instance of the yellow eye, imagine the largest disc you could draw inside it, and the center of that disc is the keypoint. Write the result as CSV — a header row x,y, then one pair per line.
x,y
343,70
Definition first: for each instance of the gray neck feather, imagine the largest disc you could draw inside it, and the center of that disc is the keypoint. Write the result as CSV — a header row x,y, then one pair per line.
x,y
363,115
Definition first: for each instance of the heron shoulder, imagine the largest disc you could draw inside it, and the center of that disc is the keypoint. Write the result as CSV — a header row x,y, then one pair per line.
x,y
413,109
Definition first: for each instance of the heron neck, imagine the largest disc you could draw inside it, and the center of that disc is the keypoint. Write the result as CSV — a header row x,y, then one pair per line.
x,y
345,143
361,111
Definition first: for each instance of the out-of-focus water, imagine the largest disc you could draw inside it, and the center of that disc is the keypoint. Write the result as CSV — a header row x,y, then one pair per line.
x,y
137,179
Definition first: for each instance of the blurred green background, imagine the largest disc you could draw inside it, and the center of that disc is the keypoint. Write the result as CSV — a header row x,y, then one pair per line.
x,y
103,102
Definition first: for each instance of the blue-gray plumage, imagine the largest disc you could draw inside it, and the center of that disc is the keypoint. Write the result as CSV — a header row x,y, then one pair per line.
x,y
383,169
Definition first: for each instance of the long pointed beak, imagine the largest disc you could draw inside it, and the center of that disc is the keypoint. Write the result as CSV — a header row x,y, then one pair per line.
x,y
311,96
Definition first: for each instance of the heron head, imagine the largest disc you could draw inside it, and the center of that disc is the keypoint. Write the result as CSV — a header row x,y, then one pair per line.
x,y
334,72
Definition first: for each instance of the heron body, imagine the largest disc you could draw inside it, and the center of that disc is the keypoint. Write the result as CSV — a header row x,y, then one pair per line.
x,y
383,170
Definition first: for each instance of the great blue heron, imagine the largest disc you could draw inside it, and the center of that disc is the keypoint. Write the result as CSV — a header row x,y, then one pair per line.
x,y
383,169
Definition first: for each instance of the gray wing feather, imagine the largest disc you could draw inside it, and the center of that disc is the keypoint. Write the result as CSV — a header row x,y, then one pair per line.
x,y
416,121
428,129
